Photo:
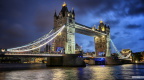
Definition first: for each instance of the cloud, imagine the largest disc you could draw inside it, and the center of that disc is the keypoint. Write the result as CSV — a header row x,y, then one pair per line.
x,y
126,32
113,37
116,33
142,38
133,26
85,6
43,20
136,7
112,22
16,31
90,44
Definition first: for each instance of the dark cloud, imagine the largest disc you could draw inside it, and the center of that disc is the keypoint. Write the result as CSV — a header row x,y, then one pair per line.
x,y
112,22
141,38
133,26
16,31
127,33
136,7
42,22
100,6
113,37
116,33
13,31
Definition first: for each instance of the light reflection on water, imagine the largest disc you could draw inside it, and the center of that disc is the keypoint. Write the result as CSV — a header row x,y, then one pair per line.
x,y
76,73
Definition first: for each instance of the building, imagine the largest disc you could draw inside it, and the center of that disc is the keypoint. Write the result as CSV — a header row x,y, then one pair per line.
x,y
47,49
126,52
142,58
78,49
137,57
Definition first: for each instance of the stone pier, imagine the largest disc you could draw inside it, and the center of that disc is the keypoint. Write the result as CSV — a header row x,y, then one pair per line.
x,y
69,60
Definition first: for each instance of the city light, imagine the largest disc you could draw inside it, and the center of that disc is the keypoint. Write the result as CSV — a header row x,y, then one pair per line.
x,y
3,50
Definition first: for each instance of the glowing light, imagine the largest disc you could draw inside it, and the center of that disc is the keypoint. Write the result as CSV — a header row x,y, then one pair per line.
x,y
101,21
98,28
3,50
68,14
64,4
72,16
42,39
29,49
103,29
59,34
125,51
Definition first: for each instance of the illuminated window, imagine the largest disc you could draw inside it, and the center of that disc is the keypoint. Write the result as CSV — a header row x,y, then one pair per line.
x,y
68,14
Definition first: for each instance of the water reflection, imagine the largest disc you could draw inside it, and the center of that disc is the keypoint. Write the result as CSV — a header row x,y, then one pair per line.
x,y
79,73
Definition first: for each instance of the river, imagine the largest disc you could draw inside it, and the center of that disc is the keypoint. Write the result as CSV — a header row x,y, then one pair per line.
x,y
90,72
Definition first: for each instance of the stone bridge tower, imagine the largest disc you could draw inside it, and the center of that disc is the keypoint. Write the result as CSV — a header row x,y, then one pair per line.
x,y
102,43
66,39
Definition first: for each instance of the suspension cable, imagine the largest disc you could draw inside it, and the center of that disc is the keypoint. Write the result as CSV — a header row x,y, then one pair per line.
x,y
57,32
119,52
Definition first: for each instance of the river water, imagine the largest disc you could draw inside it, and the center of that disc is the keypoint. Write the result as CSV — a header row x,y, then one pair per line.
x,y
90,72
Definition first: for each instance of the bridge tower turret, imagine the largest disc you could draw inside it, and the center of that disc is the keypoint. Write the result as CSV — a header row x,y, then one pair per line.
x,y
66,39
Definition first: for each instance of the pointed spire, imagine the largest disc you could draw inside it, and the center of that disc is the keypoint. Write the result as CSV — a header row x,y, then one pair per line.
x,y
64,9
73,11
108,26
55,15
105,23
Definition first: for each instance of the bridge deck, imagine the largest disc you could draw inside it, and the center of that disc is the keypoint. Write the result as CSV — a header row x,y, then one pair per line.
x,y
32,55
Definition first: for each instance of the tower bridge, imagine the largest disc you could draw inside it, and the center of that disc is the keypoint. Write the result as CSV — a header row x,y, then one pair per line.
x,y
64,30
67,38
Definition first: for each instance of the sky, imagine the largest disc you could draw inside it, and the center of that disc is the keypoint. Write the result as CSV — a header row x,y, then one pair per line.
x,y
23,21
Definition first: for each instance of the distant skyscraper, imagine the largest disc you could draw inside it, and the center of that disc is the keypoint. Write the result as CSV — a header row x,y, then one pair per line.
x,y
47,48
78,48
